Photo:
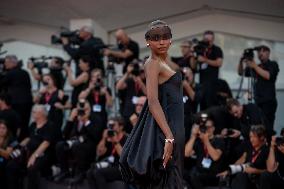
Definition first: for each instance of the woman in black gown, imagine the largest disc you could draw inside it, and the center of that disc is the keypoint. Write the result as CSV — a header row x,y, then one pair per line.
x,y
152,156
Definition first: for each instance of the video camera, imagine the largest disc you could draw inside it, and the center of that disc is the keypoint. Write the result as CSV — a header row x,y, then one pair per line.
x,y
248,54
40,62
73,37
200,47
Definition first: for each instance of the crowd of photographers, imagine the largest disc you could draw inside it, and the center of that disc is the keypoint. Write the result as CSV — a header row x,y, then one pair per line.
x,y
228,144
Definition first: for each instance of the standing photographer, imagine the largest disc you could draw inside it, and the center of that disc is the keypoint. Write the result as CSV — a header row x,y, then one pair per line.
x,y
106,170
81,137
128,49
265,75
209,64
16,82
209,154
90,47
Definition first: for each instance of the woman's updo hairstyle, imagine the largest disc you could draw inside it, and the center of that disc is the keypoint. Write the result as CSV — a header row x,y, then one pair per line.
x,y
157,24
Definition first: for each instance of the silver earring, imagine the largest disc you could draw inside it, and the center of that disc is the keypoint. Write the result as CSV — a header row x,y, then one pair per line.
x,y
148,45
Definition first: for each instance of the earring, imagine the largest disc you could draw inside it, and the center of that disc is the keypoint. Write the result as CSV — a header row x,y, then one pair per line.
x,y
170,42
147,45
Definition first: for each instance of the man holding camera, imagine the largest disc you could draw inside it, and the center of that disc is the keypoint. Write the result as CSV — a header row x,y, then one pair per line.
x,y
81,137
128,49
265,75
209,64
209,153
16,82
90,47
274,178
106,170
35,154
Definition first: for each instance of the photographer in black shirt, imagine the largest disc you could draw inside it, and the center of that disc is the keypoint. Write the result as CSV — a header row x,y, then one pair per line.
x,y
209,64
35,154
274,178
81,137
16,83
128,49
90,47
265,75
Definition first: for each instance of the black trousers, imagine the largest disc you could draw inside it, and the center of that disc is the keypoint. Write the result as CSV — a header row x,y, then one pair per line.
x,y
271,181
200,179
245,181
80,155
269,110
99,178
15,172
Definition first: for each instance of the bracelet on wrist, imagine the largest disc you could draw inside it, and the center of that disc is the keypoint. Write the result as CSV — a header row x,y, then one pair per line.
x,y
169,140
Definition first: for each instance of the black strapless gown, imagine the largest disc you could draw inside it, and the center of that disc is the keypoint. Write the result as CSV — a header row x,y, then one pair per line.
x,y
141,158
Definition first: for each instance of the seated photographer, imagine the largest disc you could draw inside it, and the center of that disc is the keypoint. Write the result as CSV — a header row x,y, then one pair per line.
x,y
34,154
108,152
79,82
55,69
132,87
208,150
16,82
90,46
128,49
98,95
191,98
138,108
7,143
246,171
81,137
275,166
265,75
10,116
53,99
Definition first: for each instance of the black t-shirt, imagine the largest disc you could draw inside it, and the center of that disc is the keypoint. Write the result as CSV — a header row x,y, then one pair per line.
x,y
96,98
280,160
134,48
257,158
12,119
37,136
217,143
210,73
182,61
252,115
265,89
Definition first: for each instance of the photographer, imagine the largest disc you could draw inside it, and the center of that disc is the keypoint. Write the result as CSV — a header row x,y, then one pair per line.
x,y
81,137
208,65
55,69
265,75
35,154
52,98
108,152
16,82
99,96
79,82
132,87
191,98
128,49
248,168
10,116
275,166
138,108
90,46
187,59
7,143
208,150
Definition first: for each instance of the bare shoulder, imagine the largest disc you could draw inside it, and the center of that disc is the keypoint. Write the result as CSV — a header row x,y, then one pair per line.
x,y
152,65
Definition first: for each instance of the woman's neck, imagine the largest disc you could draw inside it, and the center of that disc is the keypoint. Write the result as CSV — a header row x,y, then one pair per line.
x,y
51,89
162,57
40,123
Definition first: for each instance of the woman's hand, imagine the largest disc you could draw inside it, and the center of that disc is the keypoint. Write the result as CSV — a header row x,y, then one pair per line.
x,y
168,150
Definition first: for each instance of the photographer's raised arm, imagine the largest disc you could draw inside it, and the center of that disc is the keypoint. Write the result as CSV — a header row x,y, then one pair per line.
x,y
214,153
82,78
271,163
118,54
121,84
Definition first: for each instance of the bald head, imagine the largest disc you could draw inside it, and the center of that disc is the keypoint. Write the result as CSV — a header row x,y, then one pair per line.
x,y
121,36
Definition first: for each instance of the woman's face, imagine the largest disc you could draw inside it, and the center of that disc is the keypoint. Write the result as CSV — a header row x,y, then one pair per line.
x,y
3,130
47,79
159,40
255,140
95,76
83,66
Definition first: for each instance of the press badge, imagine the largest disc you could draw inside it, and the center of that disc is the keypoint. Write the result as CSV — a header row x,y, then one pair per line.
x,y
135,99
206,163
47,107
97,108
204,66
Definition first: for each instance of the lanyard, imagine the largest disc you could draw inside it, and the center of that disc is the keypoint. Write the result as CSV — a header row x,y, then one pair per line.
x,y
255,154
205,151
96,97
47,97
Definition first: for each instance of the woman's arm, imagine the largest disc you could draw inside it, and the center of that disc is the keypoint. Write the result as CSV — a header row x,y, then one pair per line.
x,y
5,153
82,78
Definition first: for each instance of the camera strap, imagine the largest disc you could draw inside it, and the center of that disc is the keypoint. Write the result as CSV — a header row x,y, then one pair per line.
x,y
255,154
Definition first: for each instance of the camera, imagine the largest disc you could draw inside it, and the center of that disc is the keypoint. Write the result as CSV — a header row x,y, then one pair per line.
x,y
81,109
233,169
98,85
248,54
279,141
73,141
201,120
40,62
72,36
107,162
110,131
19,152
200,47
230,131
136,69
